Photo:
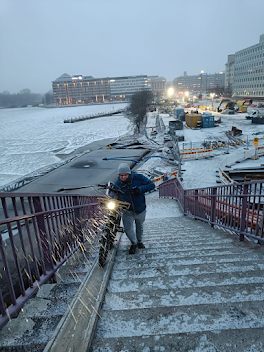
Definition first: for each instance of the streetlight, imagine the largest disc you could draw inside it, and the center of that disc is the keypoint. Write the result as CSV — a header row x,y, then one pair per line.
x,y
187,95
212,96
170,92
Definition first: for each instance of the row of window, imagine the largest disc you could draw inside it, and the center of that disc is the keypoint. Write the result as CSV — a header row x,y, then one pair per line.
x,y
249,93
250,51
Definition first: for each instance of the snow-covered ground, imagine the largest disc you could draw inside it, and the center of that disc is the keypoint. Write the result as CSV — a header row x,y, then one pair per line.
x,y
203,172
32,137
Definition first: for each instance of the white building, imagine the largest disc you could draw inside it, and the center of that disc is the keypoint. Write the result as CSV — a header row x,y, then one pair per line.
x,y
249,71
122,88
229,73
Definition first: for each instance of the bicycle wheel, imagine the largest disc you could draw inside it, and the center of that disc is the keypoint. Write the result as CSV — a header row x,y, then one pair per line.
x,y
103,251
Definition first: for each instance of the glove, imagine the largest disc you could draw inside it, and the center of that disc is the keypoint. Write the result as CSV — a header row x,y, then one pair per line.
x,y
134,191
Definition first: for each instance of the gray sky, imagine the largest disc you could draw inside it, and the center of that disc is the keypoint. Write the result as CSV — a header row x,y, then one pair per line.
x,y
42,39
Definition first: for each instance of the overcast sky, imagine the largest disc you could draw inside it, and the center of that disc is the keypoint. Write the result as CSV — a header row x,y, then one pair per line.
x,y
42,39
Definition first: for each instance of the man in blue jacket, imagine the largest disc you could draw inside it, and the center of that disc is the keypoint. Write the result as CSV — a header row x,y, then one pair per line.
x,y
133,187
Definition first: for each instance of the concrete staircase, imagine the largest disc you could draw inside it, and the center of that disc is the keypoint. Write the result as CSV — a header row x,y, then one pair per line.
x,y
34,326
193,288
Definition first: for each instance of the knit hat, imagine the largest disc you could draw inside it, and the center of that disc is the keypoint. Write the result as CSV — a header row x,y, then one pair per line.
x,y
124,169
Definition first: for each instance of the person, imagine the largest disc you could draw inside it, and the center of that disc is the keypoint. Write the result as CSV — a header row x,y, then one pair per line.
x,y
133,187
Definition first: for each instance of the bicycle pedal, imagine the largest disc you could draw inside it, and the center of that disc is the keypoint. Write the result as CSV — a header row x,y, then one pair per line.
x,y
119,229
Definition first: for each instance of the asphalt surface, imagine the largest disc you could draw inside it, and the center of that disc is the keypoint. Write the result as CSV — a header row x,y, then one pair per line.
x,y
87,170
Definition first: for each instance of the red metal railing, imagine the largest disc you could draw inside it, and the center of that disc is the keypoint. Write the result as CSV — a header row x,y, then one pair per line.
x,y
38,233
238,207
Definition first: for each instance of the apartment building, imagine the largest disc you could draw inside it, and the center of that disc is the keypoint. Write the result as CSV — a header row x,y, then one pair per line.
x,y
249,71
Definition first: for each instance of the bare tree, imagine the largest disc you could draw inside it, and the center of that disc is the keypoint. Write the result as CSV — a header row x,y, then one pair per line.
x,y
138,107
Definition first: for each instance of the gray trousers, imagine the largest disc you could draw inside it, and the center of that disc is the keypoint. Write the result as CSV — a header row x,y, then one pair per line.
x,y
129,228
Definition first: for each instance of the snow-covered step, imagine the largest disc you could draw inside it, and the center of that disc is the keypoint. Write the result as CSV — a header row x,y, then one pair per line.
x,y
186,281
191,286
180,319
205,341
196,269
186,260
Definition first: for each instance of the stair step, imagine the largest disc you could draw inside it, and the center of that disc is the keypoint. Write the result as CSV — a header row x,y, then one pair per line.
x,y
206,341
146,254
186,261
176,297
181,319
183,281
168,269
28,334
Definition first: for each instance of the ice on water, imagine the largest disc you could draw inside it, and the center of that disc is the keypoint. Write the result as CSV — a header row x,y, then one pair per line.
x,y
31,137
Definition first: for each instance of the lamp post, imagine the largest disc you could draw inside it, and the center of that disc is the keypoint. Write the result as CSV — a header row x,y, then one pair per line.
x,y
187,95
212,96
170,92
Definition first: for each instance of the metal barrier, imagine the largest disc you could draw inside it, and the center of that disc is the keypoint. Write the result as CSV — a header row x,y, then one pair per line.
x,y
197,154
38,233
237,207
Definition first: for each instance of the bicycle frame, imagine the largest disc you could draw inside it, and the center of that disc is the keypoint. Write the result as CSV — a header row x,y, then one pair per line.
x,y
111,227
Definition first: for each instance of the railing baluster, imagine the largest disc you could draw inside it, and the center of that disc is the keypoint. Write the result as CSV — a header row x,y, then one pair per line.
x,y
30,240
213,205
43,234
14,251
20,233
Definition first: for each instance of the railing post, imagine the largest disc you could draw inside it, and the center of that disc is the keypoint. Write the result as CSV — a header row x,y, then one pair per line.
x,y
77,221
43,235
243,212
213,205
2,304
196,204
184,202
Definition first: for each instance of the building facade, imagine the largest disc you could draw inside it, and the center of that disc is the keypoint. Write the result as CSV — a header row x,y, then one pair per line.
x,y
157,85
229,73
80,89
122,88
249,71
201,83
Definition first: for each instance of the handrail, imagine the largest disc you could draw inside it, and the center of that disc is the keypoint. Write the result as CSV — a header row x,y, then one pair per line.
x,y
38,232
237,207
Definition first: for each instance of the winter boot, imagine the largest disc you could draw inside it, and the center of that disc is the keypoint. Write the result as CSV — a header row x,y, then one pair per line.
x,y
140,245
132,249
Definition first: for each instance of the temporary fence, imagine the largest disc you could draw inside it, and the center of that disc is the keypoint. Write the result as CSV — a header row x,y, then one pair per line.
x,y
237,207
38,233
161,179
234,158
197,154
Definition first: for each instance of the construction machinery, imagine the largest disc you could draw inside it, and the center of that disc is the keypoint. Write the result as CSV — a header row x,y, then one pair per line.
x,y
229,105
243,104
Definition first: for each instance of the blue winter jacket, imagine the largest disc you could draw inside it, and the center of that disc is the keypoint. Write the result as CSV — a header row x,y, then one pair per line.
x,y
138,203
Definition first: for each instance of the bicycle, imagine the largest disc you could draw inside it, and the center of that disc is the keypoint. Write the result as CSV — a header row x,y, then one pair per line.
x,y
112,223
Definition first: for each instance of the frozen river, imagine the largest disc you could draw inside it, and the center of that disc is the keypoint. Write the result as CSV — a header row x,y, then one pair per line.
x,y
31,137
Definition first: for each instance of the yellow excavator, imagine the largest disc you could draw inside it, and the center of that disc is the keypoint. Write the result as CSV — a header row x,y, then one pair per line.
x,y
229,105
242,105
